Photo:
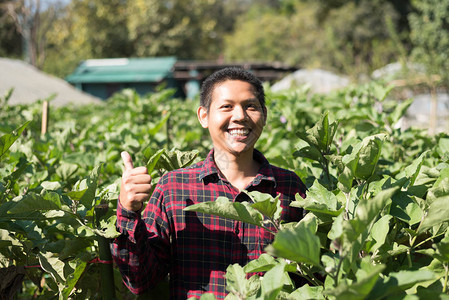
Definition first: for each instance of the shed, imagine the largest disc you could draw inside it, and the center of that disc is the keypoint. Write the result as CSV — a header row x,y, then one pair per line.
x,y
104,77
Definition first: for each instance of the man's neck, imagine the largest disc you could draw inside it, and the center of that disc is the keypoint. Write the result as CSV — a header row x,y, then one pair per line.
x,y
238,170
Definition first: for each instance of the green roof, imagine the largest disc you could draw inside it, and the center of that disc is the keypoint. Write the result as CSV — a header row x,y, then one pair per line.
x,y
122,70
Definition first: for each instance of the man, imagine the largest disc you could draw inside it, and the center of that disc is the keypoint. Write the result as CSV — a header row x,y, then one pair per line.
x,y
194,248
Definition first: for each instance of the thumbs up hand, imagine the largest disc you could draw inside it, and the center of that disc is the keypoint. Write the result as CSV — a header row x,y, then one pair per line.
x,y
136,184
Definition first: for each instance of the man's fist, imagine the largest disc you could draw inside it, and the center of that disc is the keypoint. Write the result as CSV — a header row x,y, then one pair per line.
x,y
136,185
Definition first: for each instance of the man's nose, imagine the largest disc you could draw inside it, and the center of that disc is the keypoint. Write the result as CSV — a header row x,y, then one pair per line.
x,y
239,113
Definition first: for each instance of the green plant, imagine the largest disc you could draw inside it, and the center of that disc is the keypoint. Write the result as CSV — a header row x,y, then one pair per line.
x,y
371,232
370,184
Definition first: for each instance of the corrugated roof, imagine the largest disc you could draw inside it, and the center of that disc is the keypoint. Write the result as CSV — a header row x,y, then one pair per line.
x,y
123,70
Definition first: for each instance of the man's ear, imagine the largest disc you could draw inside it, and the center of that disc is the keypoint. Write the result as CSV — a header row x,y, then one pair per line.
x,y
202,116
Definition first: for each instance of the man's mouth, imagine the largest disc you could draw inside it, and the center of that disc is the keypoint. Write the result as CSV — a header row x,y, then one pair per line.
x,y
239,132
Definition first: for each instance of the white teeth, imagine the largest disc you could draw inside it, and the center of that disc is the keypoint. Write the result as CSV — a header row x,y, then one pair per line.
x,y
239,132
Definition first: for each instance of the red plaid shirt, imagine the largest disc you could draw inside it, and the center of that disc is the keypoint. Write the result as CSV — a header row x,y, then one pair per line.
x,y
196,248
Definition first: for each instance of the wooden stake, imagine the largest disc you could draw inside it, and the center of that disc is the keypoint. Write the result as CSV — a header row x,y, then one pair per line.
x,y
45,110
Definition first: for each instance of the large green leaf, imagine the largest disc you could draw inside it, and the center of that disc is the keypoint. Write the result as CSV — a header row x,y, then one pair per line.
x,y
437,213
307,292
366,212
308,152
32,202
443,145
85,190
159,125
405,208
232,210
440,188
345,180
379,91
81,159
319,200
236,282
443,248
266,204
68,248
397,282
319,138
235,279
367,276
273,281
78,266
261,264
362,161
153,160
399,111
51,264
8,139
176,159
298,244
412,171
108,228
380,230
368,156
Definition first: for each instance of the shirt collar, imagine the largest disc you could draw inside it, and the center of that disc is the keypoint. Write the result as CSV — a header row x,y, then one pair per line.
x,y
209,168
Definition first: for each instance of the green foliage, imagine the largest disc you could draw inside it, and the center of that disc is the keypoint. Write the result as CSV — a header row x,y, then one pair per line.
x,y
58,191
377,205
351,37
430,37
376,225
120,28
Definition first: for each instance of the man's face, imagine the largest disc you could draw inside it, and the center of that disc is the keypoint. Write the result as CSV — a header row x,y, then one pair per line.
x,y
235,119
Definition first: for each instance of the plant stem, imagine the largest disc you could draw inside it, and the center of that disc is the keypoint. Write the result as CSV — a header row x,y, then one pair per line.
x,y
445,277
338,271
348,197
268,229
275,224
366,187
106,271
305,277
312,277
7,190
417,230
409,258
426,240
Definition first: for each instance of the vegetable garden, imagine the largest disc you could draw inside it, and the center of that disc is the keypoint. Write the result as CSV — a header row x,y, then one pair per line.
x,y
377,222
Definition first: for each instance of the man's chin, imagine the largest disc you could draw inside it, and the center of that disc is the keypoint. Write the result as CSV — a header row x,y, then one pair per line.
x,y
240,151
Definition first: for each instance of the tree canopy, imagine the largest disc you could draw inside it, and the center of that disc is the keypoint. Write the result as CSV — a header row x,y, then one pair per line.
x,y
352,37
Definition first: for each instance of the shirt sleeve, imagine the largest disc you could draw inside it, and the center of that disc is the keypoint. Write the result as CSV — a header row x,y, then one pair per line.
x,y
142,251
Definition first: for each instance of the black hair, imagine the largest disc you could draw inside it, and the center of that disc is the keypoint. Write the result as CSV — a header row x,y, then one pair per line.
x,y
230,73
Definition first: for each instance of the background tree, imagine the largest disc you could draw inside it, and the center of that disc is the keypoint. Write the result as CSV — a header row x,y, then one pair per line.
x,y
358,39
10,39
180,28
289,34
120,28
88,29
351,37
430,38
26,15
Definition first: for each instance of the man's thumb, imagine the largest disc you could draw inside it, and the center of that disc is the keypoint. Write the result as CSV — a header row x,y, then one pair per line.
x,y
127,161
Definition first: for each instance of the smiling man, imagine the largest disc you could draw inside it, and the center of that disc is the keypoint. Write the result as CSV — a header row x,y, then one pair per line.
x,y
193,248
